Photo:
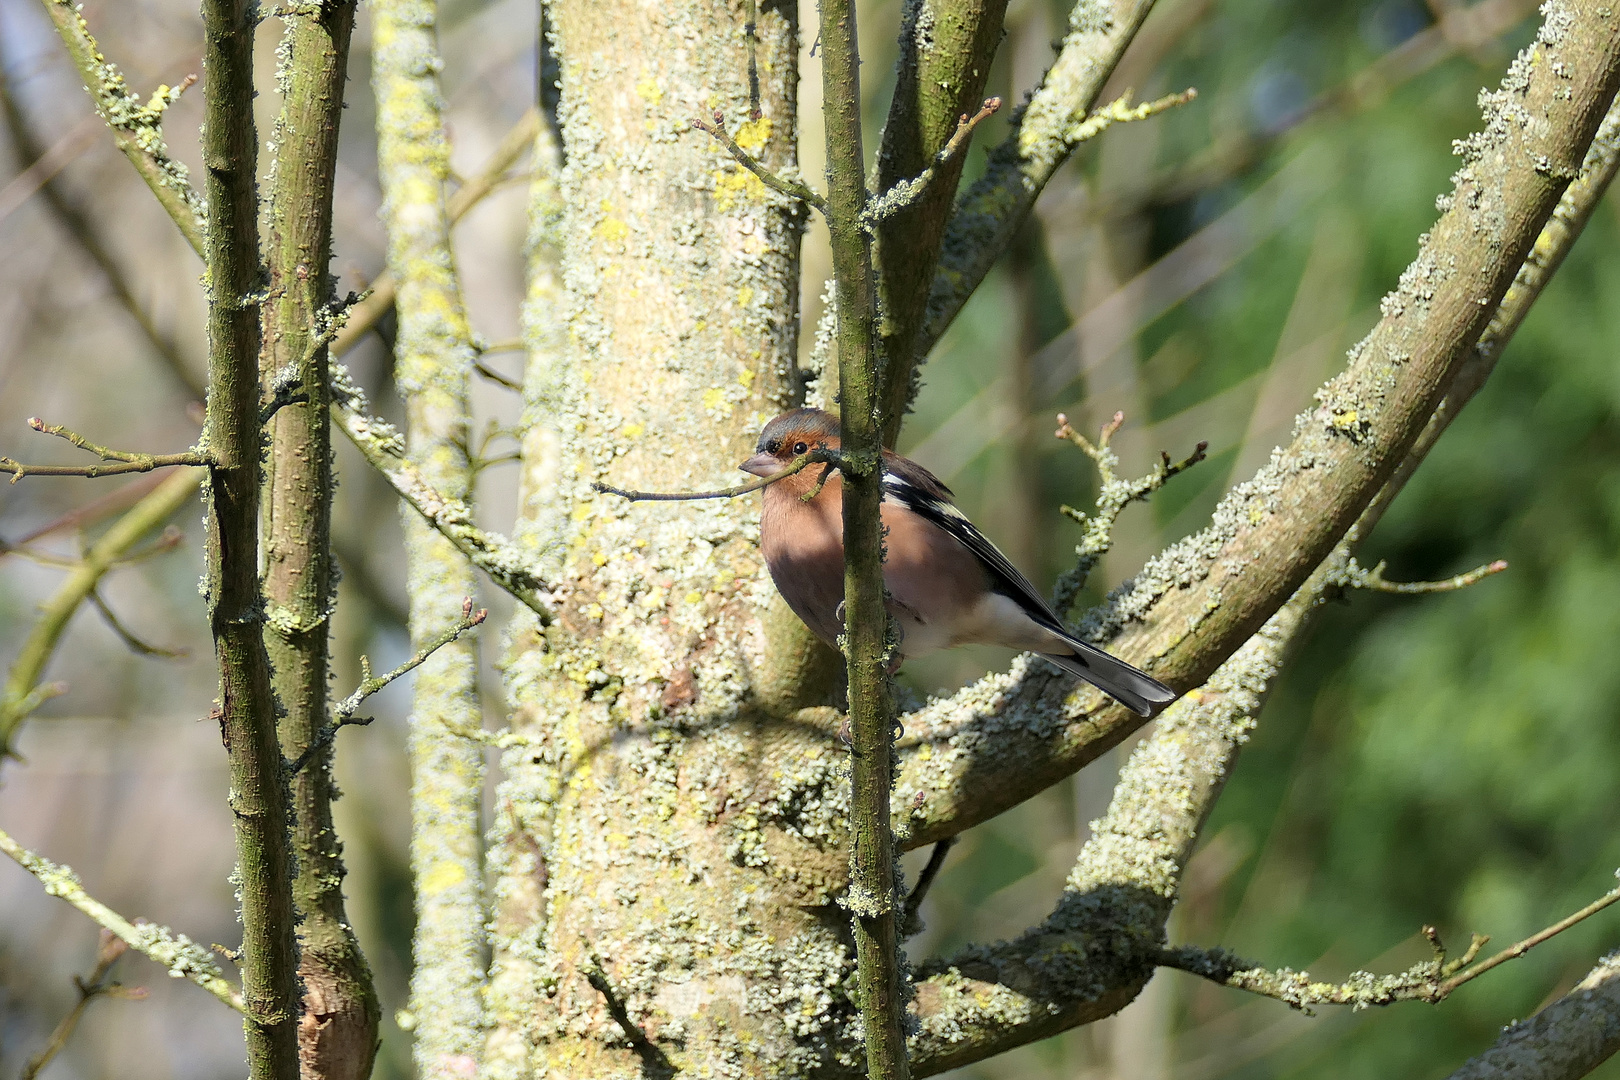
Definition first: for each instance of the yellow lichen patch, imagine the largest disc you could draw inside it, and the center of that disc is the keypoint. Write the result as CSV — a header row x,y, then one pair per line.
x,y
746,378
649,91
444,875
593,612
612,230
753,135
599,558
745,295
733,186
715,398
694,597
632,431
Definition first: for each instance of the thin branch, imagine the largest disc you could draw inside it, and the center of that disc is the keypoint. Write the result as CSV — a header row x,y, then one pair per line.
x,y
791,188
343,713
656,1062
383,447
868,642
797,464
126,461
137,126
751,32
513,145
23,692
909,924
1432,980
1569,1038
108,952
1113,496
181,957
135,644
259,799
907,192
1358,577
496,377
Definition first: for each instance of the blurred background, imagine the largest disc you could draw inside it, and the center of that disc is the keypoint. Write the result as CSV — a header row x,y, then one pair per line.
x,y
1449,759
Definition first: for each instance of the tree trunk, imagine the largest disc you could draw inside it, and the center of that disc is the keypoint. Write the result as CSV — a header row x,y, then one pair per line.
x,y
668,842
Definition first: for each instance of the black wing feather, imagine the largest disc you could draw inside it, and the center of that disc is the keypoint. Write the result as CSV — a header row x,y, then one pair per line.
x,y
919,491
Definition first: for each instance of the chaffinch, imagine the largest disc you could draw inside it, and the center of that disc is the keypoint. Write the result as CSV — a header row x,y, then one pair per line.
x,y
947,584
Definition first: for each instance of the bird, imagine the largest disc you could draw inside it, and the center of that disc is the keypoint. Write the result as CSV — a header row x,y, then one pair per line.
x,y
947,584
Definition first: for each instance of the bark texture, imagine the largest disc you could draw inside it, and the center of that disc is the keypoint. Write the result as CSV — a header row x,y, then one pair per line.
x,y
668,840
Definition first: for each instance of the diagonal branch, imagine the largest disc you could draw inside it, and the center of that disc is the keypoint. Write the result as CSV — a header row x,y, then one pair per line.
x,y
1568,1039
985,217
1432,981
1198,601
791,188
137,126
21,694
181,957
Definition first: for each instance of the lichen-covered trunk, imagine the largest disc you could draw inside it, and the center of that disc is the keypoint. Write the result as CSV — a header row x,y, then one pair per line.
x,y
668,836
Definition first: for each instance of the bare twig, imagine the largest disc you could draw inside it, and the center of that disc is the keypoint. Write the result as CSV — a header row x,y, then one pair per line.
x,y
925,881
1357,577
791,188
1113,496
820,454
181,957
1432,981
125,461
382,446
906,192
343,712
23,691
657,1062
751,32
135,644
137,126
109,950
496,377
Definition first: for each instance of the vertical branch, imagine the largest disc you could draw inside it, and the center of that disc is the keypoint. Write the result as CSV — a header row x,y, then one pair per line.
x,y
246,707
434,360
520,840
872,886
946,47
338,1028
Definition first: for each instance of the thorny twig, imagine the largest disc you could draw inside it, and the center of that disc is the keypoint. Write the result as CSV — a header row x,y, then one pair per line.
x,y
1358,577
108,952
343,712
906,192
1431,981
791,188
820,454
125,461
1112,498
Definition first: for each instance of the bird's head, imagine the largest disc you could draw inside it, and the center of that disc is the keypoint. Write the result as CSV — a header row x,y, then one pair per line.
x,y
790,435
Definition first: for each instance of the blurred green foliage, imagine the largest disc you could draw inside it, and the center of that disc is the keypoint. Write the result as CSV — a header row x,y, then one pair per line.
x,y
1448,759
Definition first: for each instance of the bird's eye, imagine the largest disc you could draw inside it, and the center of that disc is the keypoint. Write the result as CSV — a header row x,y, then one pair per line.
x,y
799,448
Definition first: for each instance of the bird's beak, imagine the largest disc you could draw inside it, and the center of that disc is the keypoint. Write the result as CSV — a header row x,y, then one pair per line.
x,y
761,464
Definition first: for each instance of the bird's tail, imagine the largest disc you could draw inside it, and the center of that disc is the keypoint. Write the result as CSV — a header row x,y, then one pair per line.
x,y
1136,690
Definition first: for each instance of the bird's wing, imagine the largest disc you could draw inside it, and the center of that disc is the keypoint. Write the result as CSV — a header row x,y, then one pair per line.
x,y
919,491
